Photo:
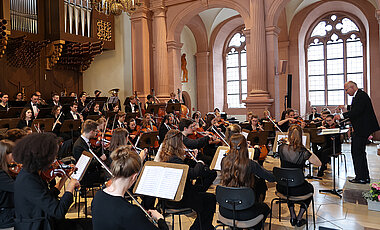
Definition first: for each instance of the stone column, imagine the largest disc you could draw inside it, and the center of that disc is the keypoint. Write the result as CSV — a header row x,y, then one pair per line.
x,y
160,52
258,98
174,66
203,85
141,45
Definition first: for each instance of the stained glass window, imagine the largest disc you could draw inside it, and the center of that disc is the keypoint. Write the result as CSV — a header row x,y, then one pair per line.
x,y
334,56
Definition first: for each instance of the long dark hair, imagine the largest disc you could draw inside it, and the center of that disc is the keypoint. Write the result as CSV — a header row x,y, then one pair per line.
x,y
295,137
172,146
235,166
5,149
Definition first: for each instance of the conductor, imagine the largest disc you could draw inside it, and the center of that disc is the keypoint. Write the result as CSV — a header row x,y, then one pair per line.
x,y
364,122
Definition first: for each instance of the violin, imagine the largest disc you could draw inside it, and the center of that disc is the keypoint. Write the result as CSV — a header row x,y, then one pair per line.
x,y
14,169
57,168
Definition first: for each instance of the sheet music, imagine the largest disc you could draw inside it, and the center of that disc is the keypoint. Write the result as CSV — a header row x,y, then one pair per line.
x,y
280,136
218,164
245,134
81,165
159,182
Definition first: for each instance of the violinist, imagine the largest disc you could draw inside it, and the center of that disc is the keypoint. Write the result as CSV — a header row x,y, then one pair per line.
x,y
231,130
194,196
121,120
254,124
165,126
197,117
7,212
133,130
148,124
26,118
314,114
37,206
288,120
131,105
110,210
220,123
326,150
172,99
249,117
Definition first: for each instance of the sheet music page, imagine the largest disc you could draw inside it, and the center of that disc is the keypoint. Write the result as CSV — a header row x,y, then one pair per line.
x,y
218,164
250,152
245,134
81,165
280,136
159,182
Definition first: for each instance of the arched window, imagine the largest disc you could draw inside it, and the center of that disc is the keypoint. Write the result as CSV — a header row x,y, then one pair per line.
x,y
335,54
236,70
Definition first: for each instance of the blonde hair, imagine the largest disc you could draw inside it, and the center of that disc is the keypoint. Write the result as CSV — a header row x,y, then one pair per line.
x,y
231,130
172,146
125,162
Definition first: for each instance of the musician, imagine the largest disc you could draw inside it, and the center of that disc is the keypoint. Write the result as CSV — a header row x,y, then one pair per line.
x,y
186,126
294,155
172,98
40,100
34,105
73,114
121,120
131,105
289,119
326,149
148,124
314,114
55,100
364,122
165,126
133,129
4,102
26,118
82,104
193,197
97,93
254,124
113,100
110,210
58,119
219,123
150,101
93,173
19,96
96,110
237,170
249,117
197,117
7,207
37,206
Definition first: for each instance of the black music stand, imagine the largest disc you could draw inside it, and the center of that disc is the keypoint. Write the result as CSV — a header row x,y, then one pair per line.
x,y
131,115
9,123
93,117
147,140
172,107
258,137
153,109
17,103
44,113
333,191
71,126
66,100
13,112
45,125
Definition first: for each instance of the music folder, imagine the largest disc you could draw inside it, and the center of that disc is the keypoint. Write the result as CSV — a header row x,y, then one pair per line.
x,y
221,152
279,136
162,180
82,165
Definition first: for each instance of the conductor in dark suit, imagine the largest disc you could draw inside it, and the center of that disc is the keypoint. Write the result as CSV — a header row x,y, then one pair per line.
x,y
364,122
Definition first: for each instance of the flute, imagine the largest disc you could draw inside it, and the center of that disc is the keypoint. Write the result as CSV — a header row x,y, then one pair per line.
x,y
56,122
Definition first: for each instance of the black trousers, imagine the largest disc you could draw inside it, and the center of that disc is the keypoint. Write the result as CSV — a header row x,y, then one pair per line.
x,y
359,156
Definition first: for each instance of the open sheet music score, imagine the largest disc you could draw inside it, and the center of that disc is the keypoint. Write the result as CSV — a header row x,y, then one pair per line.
x,y
82,165
305,140
221,152
158,179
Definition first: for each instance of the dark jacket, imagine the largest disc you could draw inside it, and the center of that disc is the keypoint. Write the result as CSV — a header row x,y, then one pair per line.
x,y
7,207
37,206
162,132
362,115
22,123
195,144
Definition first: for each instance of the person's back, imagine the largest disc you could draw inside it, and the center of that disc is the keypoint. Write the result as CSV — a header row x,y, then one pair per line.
x,y
290,158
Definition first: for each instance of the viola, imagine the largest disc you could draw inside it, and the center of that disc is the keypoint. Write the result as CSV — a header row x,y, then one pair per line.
x,y
14,169
199,133
57,168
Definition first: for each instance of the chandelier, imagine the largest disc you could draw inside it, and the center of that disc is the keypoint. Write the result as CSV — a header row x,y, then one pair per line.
x,y
116,7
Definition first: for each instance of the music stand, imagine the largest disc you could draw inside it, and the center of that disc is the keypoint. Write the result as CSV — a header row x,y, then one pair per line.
x,y
45,125
9,123
152,109
258,137
66,100
14,112
17,103
71,126
172,107
147,140
131,115
93,117
333,191
44,113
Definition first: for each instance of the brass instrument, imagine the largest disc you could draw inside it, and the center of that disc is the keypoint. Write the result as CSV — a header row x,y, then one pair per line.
x,y
113,91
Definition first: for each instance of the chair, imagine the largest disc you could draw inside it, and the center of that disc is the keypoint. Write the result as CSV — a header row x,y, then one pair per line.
x,y
168,210
290,177
236,199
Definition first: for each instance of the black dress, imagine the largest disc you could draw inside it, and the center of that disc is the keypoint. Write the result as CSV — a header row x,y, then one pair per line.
x,y
260,187
23,123
294,159
115,212
7,207
37,206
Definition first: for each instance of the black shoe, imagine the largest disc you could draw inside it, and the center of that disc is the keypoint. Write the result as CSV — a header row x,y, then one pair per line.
x,y
293,222
368,180
301,222
359,181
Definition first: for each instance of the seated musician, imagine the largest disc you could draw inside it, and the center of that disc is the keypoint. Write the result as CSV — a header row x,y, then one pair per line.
x,y
96,110
93,173
131,105
133,130
314,114
116,108
294,155
58,119
172,98
254,124
150,101
19,96
4,102
165,126
239,171
110,210
194,196
326,150
198,118
249,117
289,119
37,206
26,118
148,124
231,130
120,123
7,207
73,114
54,100
82,104
219,123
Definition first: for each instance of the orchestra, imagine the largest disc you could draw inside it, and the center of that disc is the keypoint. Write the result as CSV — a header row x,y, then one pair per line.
x,y
196,145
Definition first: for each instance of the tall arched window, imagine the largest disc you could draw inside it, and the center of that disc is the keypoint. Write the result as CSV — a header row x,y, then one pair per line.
x,y
236,70
335,54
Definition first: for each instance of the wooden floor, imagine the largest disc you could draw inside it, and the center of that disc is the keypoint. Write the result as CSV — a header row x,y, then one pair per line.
x,y
332,212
